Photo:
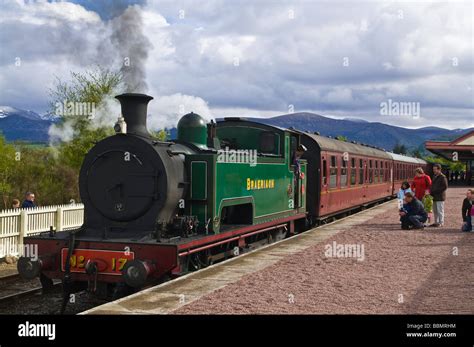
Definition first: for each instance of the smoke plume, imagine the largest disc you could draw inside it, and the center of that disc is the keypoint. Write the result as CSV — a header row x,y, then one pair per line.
x,y
132,47
123,46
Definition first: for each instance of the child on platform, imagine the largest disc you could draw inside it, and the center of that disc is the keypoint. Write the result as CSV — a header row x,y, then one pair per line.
x,y
405,188
428,205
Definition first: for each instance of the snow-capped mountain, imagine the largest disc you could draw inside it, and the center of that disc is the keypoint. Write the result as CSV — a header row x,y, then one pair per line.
x,y
25,125
6,111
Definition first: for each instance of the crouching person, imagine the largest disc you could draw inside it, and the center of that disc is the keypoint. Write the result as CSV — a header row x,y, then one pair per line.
x,y
413,214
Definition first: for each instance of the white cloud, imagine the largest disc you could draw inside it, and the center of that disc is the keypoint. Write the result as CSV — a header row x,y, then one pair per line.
x,y
165,111
287,54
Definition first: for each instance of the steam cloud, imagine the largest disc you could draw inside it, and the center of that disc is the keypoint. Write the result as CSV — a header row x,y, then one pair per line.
x,y
133,46
124,45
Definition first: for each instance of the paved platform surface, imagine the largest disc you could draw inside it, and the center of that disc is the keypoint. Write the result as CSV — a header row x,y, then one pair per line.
x,y
395,271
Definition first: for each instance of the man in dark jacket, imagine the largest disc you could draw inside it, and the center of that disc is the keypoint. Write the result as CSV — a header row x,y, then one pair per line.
x,y
413,213
29,200
466,211
439,186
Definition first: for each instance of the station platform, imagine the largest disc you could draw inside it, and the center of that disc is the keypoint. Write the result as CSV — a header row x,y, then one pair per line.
x,y
362,264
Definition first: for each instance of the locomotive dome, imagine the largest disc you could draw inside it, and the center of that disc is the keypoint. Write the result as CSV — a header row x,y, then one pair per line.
x,y
192,128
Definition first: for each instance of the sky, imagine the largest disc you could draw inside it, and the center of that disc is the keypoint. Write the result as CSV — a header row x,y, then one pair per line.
x,y
261,58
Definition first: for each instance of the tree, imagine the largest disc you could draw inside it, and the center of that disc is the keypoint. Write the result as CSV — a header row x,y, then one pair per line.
x,y
341,138
89,88
453,166
399,149
92,87
7,169
417,153
52,172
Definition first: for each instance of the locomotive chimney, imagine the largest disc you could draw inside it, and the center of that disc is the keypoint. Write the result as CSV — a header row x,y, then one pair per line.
x,y
134,112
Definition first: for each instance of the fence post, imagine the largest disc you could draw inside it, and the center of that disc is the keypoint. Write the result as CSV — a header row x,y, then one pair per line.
x,y
23,226
59,219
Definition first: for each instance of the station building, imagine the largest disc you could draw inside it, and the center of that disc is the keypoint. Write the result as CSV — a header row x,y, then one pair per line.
x,y
460,149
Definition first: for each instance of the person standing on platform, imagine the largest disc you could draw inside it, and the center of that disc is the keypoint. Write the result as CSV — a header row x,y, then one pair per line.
x,y
427,202
439,186
421,183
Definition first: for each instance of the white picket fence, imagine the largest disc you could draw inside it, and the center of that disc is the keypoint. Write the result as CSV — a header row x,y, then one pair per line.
x,y
15,224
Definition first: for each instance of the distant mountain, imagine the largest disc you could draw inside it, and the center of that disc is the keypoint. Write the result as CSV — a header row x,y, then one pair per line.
x,y
358,120
18,124
25,125
373,133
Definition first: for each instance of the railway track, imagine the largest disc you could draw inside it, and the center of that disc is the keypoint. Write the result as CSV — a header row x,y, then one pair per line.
x,y
19,296
13,287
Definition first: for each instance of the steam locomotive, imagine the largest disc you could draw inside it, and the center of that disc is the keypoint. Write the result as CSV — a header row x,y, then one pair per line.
x,y
155,210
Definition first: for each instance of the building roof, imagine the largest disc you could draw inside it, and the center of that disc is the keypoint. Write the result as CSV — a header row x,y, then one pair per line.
x,y
463,146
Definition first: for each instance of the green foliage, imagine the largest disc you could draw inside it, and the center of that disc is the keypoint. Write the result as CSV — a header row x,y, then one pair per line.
x,y
72,153
453,166
91,87
52,172
399,149
7,167
38,169
341,138
417,153
161,135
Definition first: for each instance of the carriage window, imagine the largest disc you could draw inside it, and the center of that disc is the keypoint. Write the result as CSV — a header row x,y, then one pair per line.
x,y
344,173
361,171
376,173
333,173
371,172
325,173
353,172
382,172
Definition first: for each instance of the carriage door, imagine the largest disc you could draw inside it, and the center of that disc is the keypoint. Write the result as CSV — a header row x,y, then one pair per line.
x,y
323,202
